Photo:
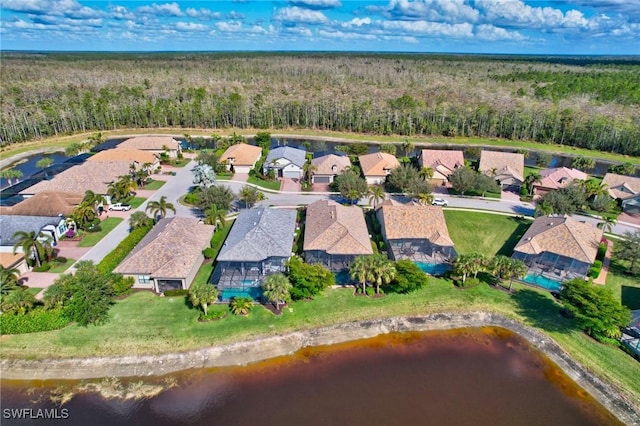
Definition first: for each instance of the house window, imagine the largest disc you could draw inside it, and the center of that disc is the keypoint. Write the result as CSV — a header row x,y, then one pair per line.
x,y
144,279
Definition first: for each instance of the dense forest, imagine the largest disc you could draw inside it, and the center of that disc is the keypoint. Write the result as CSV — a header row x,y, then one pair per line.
x,y
591,104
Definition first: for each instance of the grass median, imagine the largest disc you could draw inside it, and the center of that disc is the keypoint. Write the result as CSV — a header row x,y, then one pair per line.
x,y
107,225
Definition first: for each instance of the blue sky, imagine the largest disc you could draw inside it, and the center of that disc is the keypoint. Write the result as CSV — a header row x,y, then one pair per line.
x,y
478,26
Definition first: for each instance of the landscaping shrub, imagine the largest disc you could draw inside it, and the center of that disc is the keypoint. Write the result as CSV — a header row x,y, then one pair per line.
x,y
191,198
595,269
409,277
176,293
33,321
470,282
209,253
370,291
212,315
122,285
602,251
60,259
94,228
113,259
42,268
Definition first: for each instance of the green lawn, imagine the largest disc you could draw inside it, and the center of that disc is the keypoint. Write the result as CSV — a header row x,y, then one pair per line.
x,y
136,202
269,184
59,268
485,233
181,163
529,170
107,225
34,290
152,185
625,287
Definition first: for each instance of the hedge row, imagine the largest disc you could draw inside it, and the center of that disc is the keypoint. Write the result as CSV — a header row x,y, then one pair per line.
x,y
33,321
113,259
594,271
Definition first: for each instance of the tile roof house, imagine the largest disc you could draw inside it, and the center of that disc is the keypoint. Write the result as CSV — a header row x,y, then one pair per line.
x,y
335,234
137,156
83,177
377,166
443,162
559,247
626,189
259,244
169,256
49,226
557,178
11,261
416,232
243,157
506,167
46,203
286,162
328,167
154,144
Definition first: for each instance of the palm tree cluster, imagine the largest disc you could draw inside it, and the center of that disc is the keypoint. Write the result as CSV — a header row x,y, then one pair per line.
x,y
502,267
87,211
249,195
37,247
277,289
121,189
160,208
376,270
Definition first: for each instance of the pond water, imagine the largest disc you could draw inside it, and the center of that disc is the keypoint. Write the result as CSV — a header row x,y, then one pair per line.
x,y
476,376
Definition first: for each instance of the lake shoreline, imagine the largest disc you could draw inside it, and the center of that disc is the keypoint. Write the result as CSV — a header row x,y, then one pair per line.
x,y
247,352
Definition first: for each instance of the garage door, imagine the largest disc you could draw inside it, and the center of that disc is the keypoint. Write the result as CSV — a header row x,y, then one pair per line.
x,y
242,169
293,174
321,179
164,285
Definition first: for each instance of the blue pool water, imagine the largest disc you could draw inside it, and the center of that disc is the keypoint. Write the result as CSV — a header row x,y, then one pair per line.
x,y
252,292
542,281
433,268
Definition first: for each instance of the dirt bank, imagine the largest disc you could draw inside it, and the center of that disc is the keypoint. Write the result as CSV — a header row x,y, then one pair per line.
x,y
256,350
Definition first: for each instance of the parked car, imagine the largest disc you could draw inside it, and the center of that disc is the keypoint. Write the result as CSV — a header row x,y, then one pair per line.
x,y
119,207
439,202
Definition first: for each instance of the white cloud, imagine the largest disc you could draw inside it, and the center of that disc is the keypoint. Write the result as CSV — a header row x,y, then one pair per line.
x,y
166,9
356,22
235,15
431,10
297,32
316,4
295,15
229,26
191,26
464,30
518,14
402,39
69,8
341,35
120,12
60,20
493,33
202,14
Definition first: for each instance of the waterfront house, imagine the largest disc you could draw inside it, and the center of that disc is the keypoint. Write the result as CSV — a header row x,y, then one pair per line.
x,y
285,161
241,157
442,162
169,256
625,189
335,234
417,232
507,168
259,243
135,156
327,167
557,178
46,203
558,247
377,166
154,144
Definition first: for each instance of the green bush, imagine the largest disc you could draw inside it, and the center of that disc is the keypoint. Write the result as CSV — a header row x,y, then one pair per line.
x,y
470,282
602,251
382,246
94,228
122,285
33,321
113,259
60,259
370,291
42,268
192,198
209,253
212,315
595,269
176,293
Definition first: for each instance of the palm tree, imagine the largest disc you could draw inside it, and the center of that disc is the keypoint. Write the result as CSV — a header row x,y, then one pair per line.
x,y
96,139
376,194
10,175
426,173
407,147
425,198
462,266
18,301
360,270
241,305
116,191
30,245
93,199
531,180
478,263
517,270
54,296
307,171
277,289
500,266
608,223
212,215
159,208
383,270
43,163
202,293
138,220
250,195
83,214
8,280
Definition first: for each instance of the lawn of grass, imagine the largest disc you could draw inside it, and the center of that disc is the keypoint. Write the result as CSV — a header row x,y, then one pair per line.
x,y
625,287
269,184
485,233
107,225
34,290
136,202
180,163
152,185
59,268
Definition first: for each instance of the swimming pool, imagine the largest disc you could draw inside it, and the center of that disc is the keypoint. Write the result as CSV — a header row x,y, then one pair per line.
x,y
542,281
253,292
433,268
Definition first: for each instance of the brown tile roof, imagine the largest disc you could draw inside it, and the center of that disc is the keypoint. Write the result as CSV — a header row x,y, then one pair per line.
x,y
155,143
336,229
325,164
414,221
560,177
621,186
243,154
375,164
561,235
504,163
170,250
7,260
124,154
80,178
46,203
442,160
